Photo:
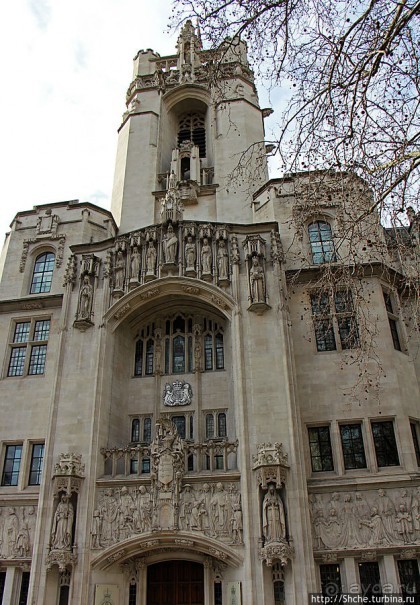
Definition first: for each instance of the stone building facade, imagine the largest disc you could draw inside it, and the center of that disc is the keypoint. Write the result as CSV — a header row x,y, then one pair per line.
x,y
189,416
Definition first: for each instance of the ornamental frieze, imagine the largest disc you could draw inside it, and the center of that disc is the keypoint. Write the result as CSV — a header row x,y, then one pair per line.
x,y
368,519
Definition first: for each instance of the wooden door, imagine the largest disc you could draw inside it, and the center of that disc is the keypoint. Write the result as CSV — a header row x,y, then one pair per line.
x,y
175,583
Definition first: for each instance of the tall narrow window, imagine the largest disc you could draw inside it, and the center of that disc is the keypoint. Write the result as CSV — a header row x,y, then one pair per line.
x,y
220,361
370,579
24,588
414,426
135,430
147,430
323,324
192,128
208,352
330,579
178,355
2,584
42,273
12,465
320,448
132,594
37,459
322,244
352,444
385,444
221,425
408,570
392,320
149,357
209,426
179,422
138,360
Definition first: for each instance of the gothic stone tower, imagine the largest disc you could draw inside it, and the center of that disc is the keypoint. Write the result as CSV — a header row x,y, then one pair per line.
x,y
172,430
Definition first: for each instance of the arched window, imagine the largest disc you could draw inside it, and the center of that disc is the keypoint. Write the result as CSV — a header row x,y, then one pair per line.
x,y
221,425
181,349
209,426
135,430
322,244
191,128
42,274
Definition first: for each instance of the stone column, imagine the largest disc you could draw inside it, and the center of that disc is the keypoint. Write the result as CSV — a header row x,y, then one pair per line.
x,y
389,575
350,576
11,586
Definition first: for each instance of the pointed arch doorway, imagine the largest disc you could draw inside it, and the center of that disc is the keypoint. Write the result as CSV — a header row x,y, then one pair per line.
x,y
175,583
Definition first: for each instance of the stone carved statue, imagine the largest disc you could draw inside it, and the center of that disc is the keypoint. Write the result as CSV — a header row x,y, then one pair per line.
x,y
257,281
151,259
145,509
172,180
170,245
187,503
10,532
62,530
404,524
190,254
119,271
222,261
85,299
274,523
219,509
125,514
108,509
237,524
135,264
96,529
206,257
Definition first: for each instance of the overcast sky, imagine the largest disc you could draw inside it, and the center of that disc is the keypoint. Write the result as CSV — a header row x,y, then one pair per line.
x,y
65,67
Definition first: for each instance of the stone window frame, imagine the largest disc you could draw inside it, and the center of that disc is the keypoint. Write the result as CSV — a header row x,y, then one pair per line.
x,y
385,449
353,423
28,334
218,431
144,429
327,251
415,564
36,464
369,565
45,284
317,427
415,434
5,458
326,577
392,308
212,340
335,325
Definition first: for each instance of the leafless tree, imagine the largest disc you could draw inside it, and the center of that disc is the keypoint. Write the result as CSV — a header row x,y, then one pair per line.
x,y
351,72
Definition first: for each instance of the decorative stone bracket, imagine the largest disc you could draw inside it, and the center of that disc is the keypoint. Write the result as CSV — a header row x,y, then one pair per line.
x,y
271,465
68,474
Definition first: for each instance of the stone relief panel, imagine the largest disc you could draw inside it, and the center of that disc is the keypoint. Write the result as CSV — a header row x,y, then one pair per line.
x,y
366,519
212,509
168,503
17,531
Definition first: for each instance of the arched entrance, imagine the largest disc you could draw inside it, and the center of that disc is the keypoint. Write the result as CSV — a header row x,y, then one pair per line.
x,y
175,583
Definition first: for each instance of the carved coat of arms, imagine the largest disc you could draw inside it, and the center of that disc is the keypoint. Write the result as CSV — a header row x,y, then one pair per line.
x,y
177,393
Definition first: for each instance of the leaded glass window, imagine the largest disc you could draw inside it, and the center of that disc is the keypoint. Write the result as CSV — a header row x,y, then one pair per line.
x,y
42,273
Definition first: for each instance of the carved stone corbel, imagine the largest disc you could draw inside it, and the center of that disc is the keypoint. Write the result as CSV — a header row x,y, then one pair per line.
x,y
280,552
68,474
271,465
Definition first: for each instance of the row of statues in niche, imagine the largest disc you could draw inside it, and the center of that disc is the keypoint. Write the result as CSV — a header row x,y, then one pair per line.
x,y
196,258
366,519
17,531
212,509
